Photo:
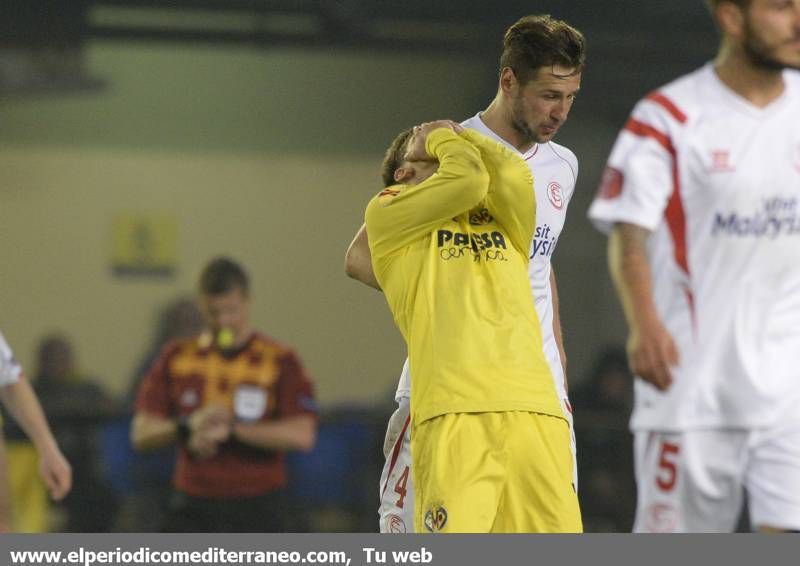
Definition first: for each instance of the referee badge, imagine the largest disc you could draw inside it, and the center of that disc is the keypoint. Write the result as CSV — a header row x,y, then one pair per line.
x,y
436,518
249,402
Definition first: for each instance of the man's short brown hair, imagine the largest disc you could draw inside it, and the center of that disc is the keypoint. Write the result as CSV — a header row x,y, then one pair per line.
x,y
395,155
221,276
712,4
541,41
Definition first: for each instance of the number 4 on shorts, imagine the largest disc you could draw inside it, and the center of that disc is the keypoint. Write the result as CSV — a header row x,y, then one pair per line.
x,y
400,487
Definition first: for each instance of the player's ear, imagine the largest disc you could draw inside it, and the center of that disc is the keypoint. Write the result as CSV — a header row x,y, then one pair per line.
x,y
508,80
731,19
403,174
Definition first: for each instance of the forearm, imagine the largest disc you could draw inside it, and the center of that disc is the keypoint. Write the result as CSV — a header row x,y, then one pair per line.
x,y
151,432
631,273
358,261
562,353
21,402
510,198
292,433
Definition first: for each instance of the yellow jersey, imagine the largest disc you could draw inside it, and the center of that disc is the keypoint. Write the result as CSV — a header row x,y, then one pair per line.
x,y
451,255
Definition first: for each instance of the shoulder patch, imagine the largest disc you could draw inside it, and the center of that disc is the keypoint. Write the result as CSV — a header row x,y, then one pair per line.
x,y
389,192
387,195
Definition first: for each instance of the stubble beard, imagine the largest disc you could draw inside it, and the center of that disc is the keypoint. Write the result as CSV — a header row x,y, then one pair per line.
x,y
760,54
522,128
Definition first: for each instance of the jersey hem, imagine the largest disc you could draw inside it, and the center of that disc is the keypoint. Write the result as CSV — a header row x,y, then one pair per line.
x,y
498,408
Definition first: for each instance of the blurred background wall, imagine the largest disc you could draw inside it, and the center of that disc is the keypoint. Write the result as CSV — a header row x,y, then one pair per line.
x,y
268,157
268,150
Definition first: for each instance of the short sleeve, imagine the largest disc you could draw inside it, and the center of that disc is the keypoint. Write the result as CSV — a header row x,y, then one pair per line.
x,y
10,369
154,391
295,388
641,173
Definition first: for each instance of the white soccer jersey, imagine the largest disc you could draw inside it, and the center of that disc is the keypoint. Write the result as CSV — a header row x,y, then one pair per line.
x,y
717,180
555,171
10,370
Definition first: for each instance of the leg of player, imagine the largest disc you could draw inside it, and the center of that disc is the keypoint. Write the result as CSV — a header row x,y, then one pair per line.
x,y
690,481
773,478
539,495
459,472
396,509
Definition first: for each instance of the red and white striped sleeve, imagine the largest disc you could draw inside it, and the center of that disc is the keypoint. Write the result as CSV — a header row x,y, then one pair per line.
x,y
10,370
642,174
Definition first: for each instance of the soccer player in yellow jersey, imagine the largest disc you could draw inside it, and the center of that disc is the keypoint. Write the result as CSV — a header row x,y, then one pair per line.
x,y
449,244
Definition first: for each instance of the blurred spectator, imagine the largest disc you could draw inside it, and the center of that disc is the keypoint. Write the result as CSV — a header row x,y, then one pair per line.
x,y
151,473
179,319
234,401
609,385
602,405
80,407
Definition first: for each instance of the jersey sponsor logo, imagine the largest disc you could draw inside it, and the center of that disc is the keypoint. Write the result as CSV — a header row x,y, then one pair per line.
x,y
436,518
480,217
544,242
555,195
486,246
721,161
395,524
777,217
611,184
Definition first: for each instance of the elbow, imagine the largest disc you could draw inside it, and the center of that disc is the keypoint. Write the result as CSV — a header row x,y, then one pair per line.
x,y
137,442
137,436
6,393
351,264
478,185
308,439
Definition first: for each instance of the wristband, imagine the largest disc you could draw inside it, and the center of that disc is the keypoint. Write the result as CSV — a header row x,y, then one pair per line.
x,y
183,430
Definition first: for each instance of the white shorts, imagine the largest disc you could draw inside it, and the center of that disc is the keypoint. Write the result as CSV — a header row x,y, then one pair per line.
x,y
396,511
396,493
694,481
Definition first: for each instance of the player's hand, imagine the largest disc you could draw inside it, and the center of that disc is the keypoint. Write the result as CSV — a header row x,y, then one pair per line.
x,y
416,146
209,416
652,353
210,426
205,443
56,472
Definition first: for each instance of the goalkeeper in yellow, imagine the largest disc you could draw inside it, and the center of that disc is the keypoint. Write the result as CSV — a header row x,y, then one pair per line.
x,y
449,237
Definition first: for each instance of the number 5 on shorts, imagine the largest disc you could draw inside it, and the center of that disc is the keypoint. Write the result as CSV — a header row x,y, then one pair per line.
x,y
667,468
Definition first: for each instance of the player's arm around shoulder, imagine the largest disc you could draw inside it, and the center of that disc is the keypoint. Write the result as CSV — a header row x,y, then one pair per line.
x,y
510,197
401,214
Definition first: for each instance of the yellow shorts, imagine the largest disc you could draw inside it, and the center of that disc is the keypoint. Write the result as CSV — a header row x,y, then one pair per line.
x,y
505,472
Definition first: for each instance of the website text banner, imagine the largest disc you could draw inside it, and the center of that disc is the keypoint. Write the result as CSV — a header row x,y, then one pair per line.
x,y
394,550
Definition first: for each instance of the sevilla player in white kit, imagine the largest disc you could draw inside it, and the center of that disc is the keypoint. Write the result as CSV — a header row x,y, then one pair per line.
x,y
524,118
702,197
20,401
